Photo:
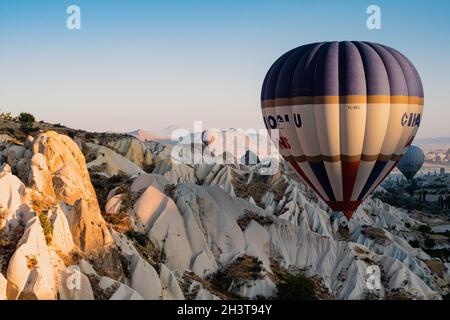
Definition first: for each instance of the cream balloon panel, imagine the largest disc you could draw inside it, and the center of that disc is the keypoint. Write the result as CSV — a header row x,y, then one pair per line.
x,y
375,129
307,133
384,135
270,113
289,128
311,141
340,132
352,120
288,121
334,130
408,124
325,130
326,120
274,118
402,122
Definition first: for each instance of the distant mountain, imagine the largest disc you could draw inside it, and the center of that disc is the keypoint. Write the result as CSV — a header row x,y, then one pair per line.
x,y
148,136
164,132
441,140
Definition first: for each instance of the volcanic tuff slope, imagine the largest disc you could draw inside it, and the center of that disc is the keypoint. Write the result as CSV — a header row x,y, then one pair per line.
x,y
181,231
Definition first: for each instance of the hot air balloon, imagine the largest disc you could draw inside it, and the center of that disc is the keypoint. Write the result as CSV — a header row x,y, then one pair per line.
x,y
345,113
411,162
210,136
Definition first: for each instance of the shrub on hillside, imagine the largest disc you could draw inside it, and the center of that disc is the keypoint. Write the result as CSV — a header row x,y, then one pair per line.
x,y
245,219
6,115
424,228
414,243
27,127
429,242
296,287
26,117
279,189
46,227
237,273
169,190
140,237
376,234
256,189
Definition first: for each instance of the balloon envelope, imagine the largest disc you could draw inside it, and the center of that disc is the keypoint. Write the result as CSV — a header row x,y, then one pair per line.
x,y
210,136
344,113
411,162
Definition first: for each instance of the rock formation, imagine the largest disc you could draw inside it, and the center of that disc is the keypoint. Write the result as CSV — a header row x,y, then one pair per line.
x,y
186,231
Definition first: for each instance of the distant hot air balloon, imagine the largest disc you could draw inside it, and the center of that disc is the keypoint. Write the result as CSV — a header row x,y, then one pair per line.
x,y
346,112
411,162
210,136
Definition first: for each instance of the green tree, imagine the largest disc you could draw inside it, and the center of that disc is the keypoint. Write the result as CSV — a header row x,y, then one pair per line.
x,y
424,228
296,287
26,117
414,243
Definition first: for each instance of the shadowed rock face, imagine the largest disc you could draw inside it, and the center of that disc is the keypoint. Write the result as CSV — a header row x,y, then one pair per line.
x,y
134,150
88,228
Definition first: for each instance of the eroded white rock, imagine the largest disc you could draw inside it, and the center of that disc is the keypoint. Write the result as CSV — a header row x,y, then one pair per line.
x,y
31,254
75,286
145,279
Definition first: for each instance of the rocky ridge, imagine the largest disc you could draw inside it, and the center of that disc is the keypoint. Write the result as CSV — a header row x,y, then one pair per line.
x,y
166,230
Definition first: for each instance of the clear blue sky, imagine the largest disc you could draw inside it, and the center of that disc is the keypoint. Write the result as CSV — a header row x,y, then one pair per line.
x,y
149,64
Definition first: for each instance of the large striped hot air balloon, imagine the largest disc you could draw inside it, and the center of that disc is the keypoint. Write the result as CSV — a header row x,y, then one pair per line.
x,y
346,112
411,162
